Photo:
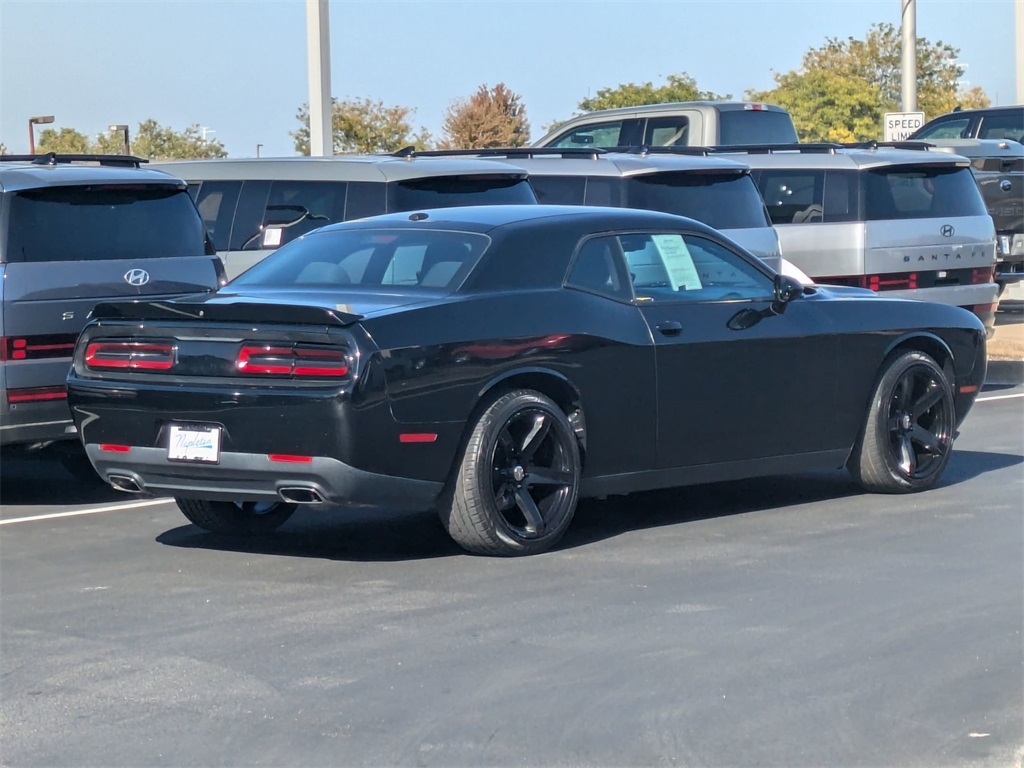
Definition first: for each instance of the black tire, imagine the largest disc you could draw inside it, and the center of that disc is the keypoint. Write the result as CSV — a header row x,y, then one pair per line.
x,y
236,518
515,488
908,433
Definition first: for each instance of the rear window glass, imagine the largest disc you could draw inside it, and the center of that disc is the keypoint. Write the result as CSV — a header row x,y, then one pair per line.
x,y
449,191
754,126
398,260
720,200
91,223
921,193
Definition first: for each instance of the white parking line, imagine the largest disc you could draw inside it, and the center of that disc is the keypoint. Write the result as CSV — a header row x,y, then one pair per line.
x,y
999,397
95,511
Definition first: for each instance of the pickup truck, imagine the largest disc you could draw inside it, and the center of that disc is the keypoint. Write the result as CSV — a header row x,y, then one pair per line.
x,y
998,167
676,124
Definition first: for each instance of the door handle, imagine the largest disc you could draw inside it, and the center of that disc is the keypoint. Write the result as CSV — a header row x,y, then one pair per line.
x,y
670,328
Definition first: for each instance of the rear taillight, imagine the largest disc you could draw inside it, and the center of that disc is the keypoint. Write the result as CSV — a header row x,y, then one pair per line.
x,y
982,275
892,282
130,355
14,348
296,360
37,394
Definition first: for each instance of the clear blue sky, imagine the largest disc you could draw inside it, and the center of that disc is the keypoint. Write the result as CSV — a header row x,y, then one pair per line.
x,y
239,67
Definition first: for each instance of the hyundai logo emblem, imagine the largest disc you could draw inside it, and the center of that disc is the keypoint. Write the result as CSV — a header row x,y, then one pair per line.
x,y
136,277
947,230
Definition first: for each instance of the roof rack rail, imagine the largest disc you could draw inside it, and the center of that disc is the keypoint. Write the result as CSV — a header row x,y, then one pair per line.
x,y
644,149
823,147
918,144
507,152
53,158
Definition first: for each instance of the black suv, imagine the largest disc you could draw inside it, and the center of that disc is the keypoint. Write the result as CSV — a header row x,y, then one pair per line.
x,y
76,230
988,123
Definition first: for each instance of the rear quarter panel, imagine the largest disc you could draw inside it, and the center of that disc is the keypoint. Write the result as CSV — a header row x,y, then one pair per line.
x,y
441,362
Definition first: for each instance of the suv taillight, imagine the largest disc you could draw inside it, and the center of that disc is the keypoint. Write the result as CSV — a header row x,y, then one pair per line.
x,y
37,347
130,355
296,360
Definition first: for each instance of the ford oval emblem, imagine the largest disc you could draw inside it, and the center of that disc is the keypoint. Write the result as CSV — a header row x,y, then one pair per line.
x,y
947,230
136,277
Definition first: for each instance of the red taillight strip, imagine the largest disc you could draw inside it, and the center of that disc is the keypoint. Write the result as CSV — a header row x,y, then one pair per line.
x,y
114,448
37,394
131,355
268,360
289,459
37,347
417,437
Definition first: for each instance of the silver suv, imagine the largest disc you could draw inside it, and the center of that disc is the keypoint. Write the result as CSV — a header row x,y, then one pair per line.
x,y
77,230
252,207
907,222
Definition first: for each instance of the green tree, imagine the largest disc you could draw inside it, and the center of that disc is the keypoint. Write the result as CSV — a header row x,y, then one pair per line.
x,y
491,117
65,141
158,142
363,126
842,89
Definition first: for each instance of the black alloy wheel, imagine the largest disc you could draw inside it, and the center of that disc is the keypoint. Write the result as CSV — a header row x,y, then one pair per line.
x,y
908,437
516,490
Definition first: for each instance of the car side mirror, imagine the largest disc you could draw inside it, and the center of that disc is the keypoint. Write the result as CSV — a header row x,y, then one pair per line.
x,y
786,289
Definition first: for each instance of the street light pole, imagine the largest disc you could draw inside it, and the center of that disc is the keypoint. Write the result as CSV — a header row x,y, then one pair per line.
x,y
318,53
908,88
32,122
123,129
258,147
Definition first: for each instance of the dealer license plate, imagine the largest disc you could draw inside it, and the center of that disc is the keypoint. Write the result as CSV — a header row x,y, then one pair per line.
x,y
194,443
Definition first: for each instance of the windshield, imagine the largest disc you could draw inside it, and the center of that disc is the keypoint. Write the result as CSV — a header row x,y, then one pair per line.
x,y
755,126
449,191
90,223
720,200
399,260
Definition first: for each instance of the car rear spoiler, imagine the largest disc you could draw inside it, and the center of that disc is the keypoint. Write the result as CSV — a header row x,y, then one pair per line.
x,y
241,311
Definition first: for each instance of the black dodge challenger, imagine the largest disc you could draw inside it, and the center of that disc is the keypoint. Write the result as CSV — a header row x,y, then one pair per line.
x,y
500,362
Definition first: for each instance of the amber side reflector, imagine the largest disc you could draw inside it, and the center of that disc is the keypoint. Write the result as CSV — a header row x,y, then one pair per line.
x,y
417,437
966,388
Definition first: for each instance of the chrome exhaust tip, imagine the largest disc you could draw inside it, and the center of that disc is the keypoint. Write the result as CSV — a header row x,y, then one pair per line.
x,y
300,494
124,483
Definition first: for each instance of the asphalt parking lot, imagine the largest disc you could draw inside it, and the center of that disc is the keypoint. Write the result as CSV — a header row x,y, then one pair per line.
x,y
787,622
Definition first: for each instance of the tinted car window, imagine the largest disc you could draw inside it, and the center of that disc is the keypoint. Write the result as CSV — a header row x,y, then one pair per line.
x,y
89,223
216,202
1004,126
674,267
402,260
807,197
752,126
667,131
448,191
297,207
560,190
720,200
597,269
923,192
948,129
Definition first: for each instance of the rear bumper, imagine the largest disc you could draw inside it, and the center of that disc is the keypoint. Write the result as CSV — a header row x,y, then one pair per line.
x,y
254,477
981,299
27,423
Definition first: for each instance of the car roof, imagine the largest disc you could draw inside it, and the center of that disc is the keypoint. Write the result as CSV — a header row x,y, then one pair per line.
x,y
482,218
380,168
673,106
976,111
585,163
18,176
820,156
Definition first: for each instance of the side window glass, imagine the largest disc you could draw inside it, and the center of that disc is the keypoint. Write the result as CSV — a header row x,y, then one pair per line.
x,y
248,224
216,202
840,197
675,267
365,199
297,207
597,268
792,197
948,129
1009,126
667,131
559,190
593,135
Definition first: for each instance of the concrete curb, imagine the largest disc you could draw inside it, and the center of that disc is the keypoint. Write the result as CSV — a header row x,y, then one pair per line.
x,y
1005,372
